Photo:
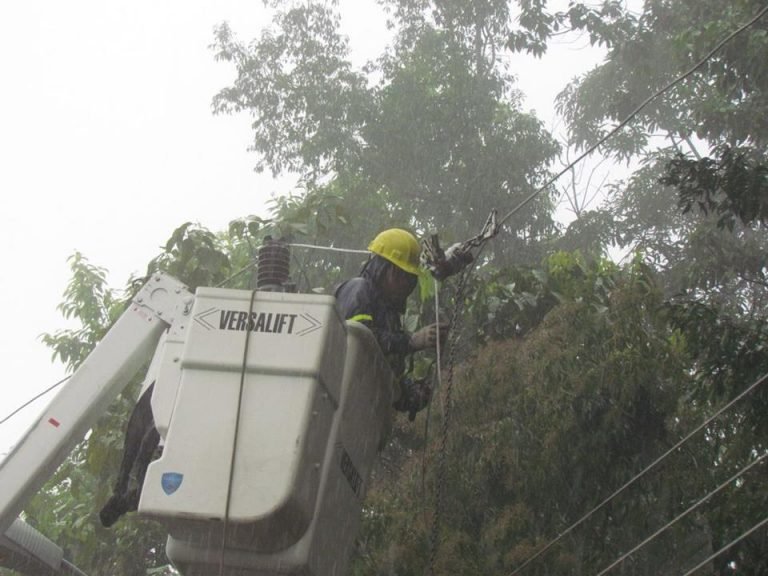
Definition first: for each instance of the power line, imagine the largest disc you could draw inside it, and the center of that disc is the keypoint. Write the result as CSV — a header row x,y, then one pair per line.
x,y
252,265
28,402
642,473
330,248
233,453
632,114
727,546
679,517
237,274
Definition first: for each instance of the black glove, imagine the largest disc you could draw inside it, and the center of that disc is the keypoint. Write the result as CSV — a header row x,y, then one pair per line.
x,y
415,396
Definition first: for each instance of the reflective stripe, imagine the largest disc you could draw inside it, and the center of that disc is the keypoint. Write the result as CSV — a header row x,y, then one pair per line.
x,y
361,318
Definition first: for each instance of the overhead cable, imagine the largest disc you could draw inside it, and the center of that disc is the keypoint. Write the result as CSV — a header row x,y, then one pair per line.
x,y
642,473
682,515
632,114
237,274
233,453
28,402
330,248
726,547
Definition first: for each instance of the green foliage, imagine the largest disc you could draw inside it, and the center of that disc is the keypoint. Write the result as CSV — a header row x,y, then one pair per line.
x,y
723,103
548,424
328,216
730,357
734,185
305,100
593,232
544,427
708,252
193,255
511,302
607,23
452,144
430,136
731,352
89,301
714,253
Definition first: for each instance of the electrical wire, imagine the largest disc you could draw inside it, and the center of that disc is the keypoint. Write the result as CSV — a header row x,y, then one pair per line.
x,y
632,114
237,274
326,248
238,417
682,515
31,400
330,248
642,473
727,546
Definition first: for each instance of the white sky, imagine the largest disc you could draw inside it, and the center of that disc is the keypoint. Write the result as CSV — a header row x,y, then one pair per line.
x,y
107,143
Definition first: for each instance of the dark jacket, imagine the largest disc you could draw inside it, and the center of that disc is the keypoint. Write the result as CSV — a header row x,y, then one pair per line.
x,y
361,300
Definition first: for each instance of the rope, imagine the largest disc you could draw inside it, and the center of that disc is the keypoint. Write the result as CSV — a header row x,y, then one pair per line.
x,y
642,473
243,366
439,386
634,113
438,351
727,546
28,402
679,517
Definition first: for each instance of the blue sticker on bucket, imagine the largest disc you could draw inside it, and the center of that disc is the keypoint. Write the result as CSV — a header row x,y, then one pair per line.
x,y
171,482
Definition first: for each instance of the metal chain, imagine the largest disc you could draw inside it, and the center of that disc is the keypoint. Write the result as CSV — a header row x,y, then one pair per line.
x,y
446,403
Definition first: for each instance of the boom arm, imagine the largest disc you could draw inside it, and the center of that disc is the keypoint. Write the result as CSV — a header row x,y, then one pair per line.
x,y
99,379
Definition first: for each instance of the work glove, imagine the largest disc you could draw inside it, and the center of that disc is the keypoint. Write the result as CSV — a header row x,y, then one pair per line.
x,y
415,396
427,337
455,259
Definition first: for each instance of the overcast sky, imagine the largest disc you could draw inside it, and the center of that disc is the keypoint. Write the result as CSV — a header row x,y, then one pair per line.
x,y
107,143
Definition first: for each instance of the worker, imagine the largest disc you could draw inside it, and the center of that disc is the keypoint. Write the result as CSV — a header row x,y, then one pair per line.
x,y
377,298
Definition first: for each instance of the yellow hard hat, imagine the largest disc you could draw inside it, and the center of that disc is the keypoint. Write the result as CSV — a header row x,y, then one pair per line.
x,y
399,247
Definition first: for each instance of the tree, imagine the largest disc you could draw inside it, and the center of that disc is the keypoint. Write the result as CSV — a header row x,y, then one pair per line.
x,y
306,101
432,128
719,104
715,108
545,427
694,352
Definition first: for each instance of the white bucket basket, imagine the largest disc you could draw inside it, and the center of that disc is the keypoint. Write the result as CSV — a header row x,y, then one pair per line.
x,y
278,489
